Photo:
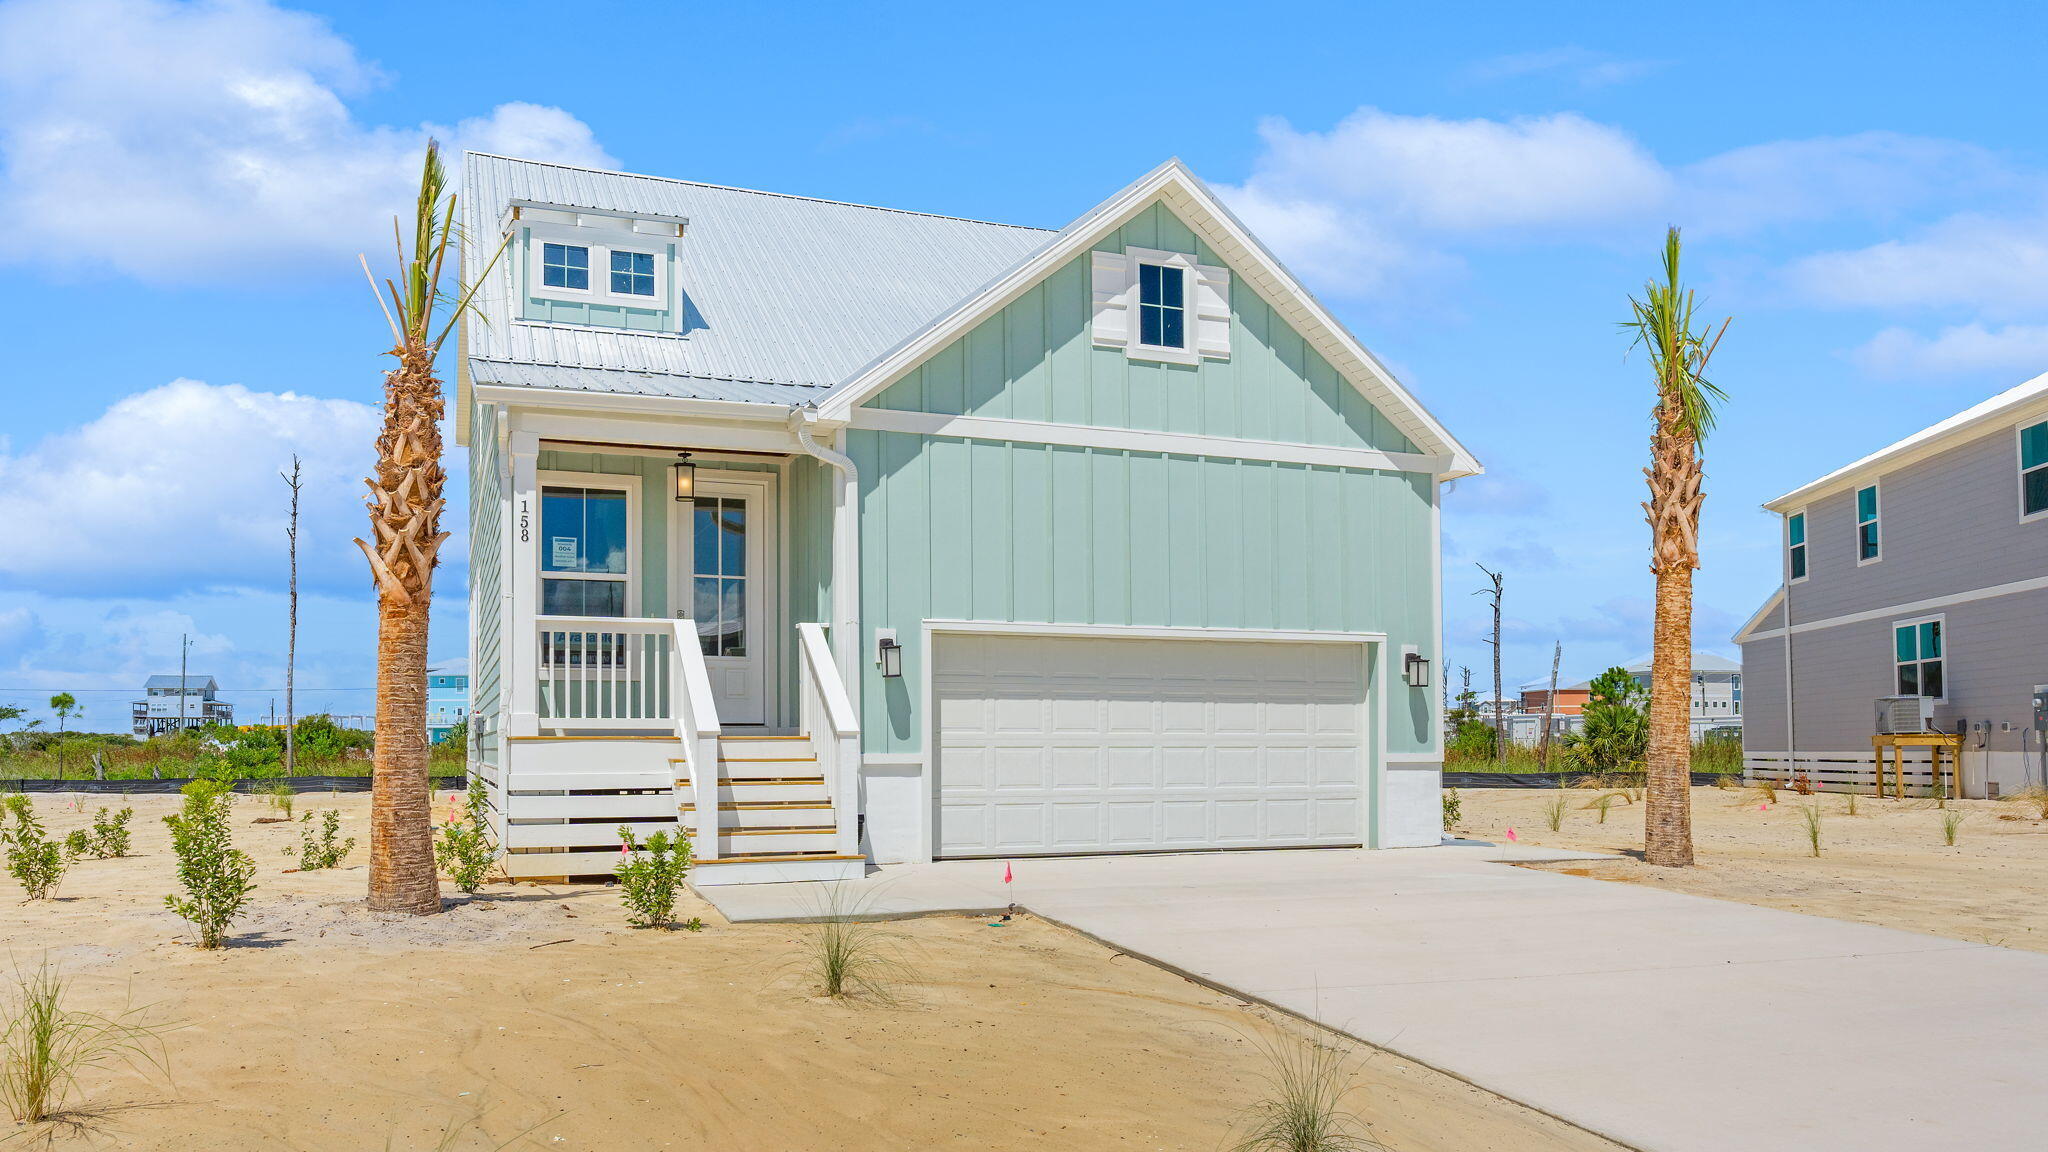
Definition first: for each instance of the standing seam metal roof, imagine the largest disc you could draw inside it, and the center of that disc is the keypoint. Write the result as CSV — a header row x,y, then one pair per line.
x,y
787,295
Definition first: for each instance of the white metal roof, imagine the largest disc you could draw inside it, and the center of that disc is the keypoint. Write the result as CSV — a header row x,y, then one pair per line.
x,y
193,683
1969,422
789,291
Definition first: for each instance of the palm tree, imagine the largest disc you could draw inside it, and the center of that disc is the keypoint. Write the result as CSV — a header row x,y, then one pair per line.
x,y
405,517
1663,324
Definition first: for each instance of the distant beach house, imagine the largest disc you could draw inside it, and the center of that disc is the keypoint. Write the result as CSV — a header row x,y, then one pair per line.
x,y
848,534
172,703
447,701
1919,571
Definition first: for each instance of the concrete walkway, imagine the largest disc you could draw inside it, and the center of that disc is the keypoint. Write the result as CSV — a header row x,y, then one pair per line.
x,y
1667,1022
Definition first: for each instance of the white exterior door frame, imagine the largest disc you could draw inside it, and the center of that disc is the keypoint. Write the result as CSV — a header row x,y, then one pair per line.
x,y
761,668
1372,647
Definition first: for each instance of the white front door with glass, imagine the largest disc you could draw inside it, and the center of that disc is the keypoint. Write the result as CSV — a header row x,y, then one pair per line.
x,y
725,562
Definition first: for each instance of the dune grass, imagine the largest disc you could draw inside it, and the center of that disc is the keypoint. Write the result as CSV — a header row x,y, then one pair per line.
x,y
1306,1103
45,1046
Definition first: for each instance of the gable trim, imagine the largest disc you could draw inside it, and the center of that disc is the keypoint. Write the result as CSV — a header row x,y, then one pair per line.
x,y
1749,631
1178,188
1141,440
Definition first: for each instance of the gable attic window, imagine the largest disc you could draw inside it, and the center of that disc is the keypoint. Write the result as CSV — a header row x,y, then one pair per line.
x,y
1161,306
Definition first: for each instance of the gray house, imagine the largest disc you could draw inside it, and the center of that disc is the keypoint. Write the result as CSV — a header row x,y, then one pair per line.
x,y
1919,570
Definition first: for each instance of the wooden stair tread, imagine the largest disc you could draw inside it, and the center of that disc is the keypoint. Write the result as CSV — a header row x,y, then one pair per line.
x,y
806,829
772,858
763,805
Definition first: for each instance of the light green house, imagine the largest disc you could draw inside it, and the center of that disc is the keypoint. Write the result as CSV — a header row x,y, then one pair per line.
x,y
847,535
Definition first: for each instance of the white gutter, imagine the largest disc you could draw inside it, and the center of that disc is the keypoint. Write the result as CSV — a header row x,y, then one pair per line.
x,y
845,621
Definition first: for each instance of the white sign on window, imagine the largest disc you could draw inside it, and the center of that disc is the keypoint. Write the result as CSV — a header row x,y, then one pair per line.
x,y
564,551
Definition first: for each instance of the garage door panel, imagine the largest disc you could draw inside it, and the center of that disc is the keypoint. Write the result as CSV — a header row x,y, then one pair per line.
x,y
1064,744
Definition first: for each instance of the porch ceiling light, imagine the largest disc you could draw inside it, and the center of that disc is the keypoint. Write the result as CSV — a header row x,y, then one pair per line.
x,y
686,478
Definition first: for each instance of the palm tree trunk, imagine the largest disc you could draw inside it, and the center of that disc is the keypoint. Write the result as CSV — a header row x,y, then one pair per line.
x,y
1674,516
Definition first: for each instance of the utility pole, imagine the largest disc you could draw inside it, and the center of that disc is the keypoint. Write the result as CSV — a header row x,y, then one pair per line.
x,y
1549,708
1500,750
184,642
291,644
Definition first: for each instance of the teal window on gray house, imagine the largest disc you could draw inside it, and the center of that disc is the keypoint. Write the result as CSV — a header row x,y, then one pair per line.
x,y
2034,469
1917,652
1795,544
1866,524
583,555
1162,308
633,274
568,266
718,546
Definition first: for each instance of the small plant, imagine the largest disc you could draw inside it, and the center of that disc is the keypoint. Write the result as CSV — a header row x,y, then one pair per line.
x,y
321,848
1723,781
2032,796
108,839
851,955
35,861
1304,1109
214,873
1852,803
1802,783
1811,814
464,846
1951,821
1454,808
281,795
1602,803
1554,809
1766,788
44,1045
650,875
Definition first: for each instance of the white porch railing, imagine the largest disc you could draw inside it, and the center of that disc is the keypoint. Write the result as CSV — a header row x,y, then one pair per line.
x,y
696,727
828,719
605,672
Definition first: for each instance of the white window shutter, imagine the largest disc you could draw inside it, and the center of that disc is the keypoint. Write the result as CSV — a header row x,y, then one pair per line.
x,y
1114,284
1212,311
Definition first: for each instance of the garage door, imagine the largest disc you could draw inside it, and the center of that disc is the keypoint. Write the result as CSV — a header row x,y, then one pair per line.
x,y
1083,744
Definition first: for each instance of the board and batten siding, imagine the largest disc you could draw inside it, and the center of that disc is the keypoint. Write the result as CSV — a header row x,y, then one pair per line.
x,y
979,529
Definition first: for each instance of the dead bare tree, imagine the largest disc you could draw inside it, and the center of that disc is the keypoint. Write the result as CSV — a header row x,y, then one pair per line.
x,y
1500,748
291,642
1549,708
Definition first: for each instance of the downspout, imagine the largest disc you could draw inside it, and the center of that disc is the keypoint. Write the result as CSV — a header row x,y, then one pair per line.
x,y
1791,727
845,622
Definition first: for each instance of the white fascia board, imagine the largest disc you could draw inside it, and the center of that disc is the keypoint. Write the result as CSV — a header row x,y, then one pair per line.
x,y
1744,634
2012,405
671,406
1141,440
1173,183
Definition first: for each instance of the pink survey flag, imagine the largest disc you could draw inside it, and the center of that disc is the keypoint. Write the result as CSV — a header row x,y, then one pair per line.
x,y
1511,833
1763,807
1006,872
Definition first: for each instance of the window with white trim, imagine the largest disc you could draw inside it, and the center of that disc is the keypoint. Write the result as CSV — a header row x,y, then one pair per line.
x,y
586,555
2034,469
1795,545
1866,525
565,266
603,262
1162,306
1919,659
632,273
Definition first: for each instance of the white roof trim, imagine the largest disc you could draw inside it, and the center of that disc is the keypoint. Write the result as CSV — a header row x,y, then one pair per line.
x,y
1756,620
1179,188
2007,406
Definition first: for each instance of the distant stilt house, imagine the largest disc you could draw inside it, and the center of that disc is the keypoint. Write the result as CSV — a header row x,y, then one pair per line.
x,y
170,703
447,700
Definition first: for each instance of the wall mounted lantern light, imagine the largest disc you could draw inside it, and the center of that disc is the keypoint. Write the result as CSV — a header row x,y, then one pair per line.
x,y
686,478
888,653
1415,668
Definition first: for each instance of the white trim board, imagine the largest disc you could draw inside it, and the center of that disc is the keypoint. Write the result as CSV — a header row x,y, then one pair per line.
x,y
1931,604
1142,440
1178,188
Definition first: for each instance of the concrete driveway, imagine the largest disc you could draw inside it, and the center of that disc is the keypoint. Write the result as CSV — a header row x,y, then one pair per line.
x,y
1663,1021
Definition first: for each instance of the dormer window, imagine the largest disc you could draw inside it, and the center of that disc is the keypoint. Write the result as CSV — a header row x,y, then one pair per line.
x,y
565,266
632,273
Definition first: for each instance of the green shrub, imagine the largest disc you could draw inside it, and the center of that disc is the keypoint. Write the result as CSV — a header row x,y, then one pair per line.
x,y
214,873
1454,808
464,846
650,875
108,839
280,794
35,861
1616,734
321,848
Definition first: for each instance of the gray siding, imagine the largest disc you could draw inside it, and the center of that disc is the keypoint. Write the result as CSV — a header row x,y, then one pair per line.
x,y
1949,526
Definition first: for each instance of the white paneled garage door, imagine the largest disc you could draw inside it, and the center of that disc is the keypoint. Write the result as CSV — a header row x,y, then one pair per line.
x,y
1050,744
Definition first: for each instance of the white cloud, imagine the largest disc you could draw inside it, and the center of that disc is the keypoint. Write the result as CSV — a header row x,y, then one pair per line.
x,y
1581,66
177,487
2016,349
1868,175
180,140
1994,263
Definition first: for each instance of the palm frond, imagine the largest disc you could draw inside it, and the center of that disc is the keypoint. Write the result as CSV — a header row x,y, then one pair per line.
x,y
1663,321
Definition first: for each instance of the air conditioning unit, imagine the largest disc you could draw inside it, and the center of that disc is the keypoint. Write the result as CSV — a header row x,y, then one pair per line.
x,y
1904,715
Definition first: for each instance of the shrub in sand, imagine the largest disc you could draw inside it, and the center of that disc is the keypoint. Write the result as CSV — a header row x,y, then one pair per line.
x,y
322,848
1554,810
1950,821
33,859
1811,814
214,873
650,875
1454,808
2032,796
1307,1086
464,847
281,796
108,839
44,1045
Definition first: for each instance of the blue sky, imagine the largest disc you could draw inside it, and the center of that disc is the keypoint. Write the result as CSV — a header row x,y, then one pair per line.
x,y
1474,189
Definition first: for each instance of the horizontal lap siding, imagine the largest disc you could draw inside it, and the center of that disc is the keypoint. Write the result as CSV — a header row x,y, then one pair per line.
x,y
486,576
982,530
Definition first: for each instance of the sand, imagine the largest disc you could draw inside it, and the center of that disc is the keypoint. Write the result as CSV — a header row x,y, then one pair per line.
x,y
1886,865
537,1010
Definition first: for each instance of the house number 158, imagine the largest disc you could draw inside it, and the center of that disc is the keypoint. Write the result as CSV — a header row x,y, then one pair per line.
x,y
525,523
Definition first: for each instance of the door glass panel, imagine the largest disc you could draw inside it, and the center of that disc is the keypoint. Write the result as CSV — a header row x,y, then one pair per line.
x,y
733,619
732,531
704,536
718,556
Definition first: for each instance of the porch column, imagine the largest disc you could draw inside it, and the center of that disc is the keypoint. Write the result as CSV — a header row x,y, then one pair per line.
x,y
522,643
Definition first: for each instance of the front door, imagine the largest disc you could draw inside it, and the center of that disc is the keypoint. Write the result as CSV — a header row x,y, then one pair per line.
x,y
726,567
